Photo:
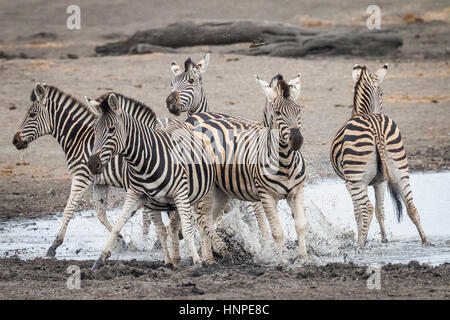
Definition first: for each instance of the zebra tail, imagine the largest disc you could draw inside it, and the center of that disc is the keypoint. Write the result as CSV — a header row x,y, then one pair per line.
x,y
393,190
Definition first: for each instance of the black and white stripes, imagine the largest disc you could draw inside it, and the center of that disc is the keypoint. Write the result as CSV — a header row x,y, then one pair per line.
x,y
257,163
70,122
168,168
368,150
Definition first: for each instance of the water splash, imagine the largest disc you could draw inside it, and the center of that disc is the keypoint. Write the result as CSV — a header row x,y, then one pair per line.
x,y
330,233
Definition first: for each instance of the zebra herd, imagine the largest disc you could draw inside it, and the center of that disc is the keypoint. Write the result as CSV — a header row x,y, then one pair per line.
x,y
193,168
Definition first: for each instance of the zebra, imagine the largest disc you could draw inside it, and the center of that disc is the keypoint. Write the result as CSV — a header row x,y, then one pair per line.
x,y
257,163
368,150
188,95
69,121
168,168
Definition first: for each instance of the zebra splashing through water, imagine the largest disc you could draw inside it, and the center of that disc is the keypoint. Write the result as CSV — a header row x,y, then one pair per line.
x,y
168,168
368,150
257,163
188,95
69,121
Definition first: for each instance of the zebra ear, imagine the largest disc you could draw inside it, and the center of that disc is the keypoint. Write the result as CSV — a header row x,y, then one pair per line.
x,y
176,69
294,87
356,73
268,91
113,102
202,65
93,105
40,92
378,77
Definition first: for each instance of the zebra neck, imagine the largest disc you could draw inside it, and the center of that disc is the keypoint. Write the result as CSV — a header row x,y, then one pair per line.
x,y
71,124
201,106
280,153
139,144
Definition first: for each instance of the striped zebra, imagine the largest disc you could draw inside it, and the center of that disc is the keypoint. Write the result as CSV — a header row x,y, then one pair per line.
x,y
188,95
257,163
168,168
368,150
70,122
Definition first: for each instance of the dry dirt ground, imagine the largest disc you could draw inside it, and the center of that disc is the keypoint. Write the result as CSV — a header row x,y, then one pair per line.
x,y
35,182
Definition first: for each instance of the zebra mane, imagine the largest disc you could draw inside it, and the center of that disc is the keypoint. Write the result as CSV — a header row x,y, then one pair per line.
x,y
134,108
53,92
33,97
188,64
275,78
363,94
284,88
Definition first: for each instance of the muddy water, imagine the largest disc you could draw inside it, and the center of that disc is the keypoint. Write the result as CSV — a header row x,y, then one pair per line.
x,y
330,236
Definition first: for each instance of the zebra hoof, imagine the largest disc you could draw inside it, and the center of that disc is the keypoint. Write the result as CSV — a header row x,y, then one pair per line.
x,y
51,252
98,264
427,244
384,240
209,262
227,260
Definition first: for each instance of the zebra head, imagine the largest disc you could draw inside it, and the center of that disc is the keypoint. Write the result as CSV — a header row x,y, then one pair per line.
x,y
187,90
109,131
37,119
367,93
284,110
295,92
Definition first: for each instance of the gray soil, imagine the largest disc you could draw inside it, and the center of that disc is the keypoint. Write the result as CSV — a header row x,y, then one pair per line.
x,y
35,182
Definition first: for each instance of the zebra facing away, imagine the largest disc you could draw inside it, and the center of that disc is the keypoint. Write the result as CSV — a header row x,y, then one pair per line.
x,y
168,168
368,150
257,163
69,121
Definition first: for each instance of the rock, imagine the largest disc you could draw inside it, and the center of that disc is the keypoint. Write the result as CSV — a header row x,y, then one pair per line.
x,y
72,56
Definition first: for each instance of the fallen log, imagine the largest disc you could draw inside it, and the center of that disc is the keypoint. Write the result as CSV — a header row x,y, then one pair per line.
x,y
264,38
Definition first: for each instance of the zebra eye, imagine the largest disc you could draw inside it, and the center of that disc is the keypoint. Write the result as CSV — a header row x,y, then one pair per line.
x,y
191,80
32,114
112,129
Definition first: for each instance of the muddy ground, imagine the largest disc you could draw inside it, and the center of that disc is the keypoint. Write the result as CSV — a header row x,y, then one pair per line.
x,y
35,182
41,279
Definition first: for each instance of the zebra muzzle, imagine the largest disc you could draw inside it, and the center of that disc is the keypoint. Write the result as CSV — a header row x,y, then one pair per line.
x,y
172,103
18,142
95,164
296,139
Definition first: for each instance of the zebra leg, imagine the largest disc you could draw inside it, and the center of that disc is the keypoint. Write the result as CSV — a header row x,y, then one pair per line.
x,y
221,200
260,218
203,216
174,227
100,197
187,228
356,212
146,219
270,208
132,203
361,202
380,189
160,232
298,212
204,221
404,188
76,191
